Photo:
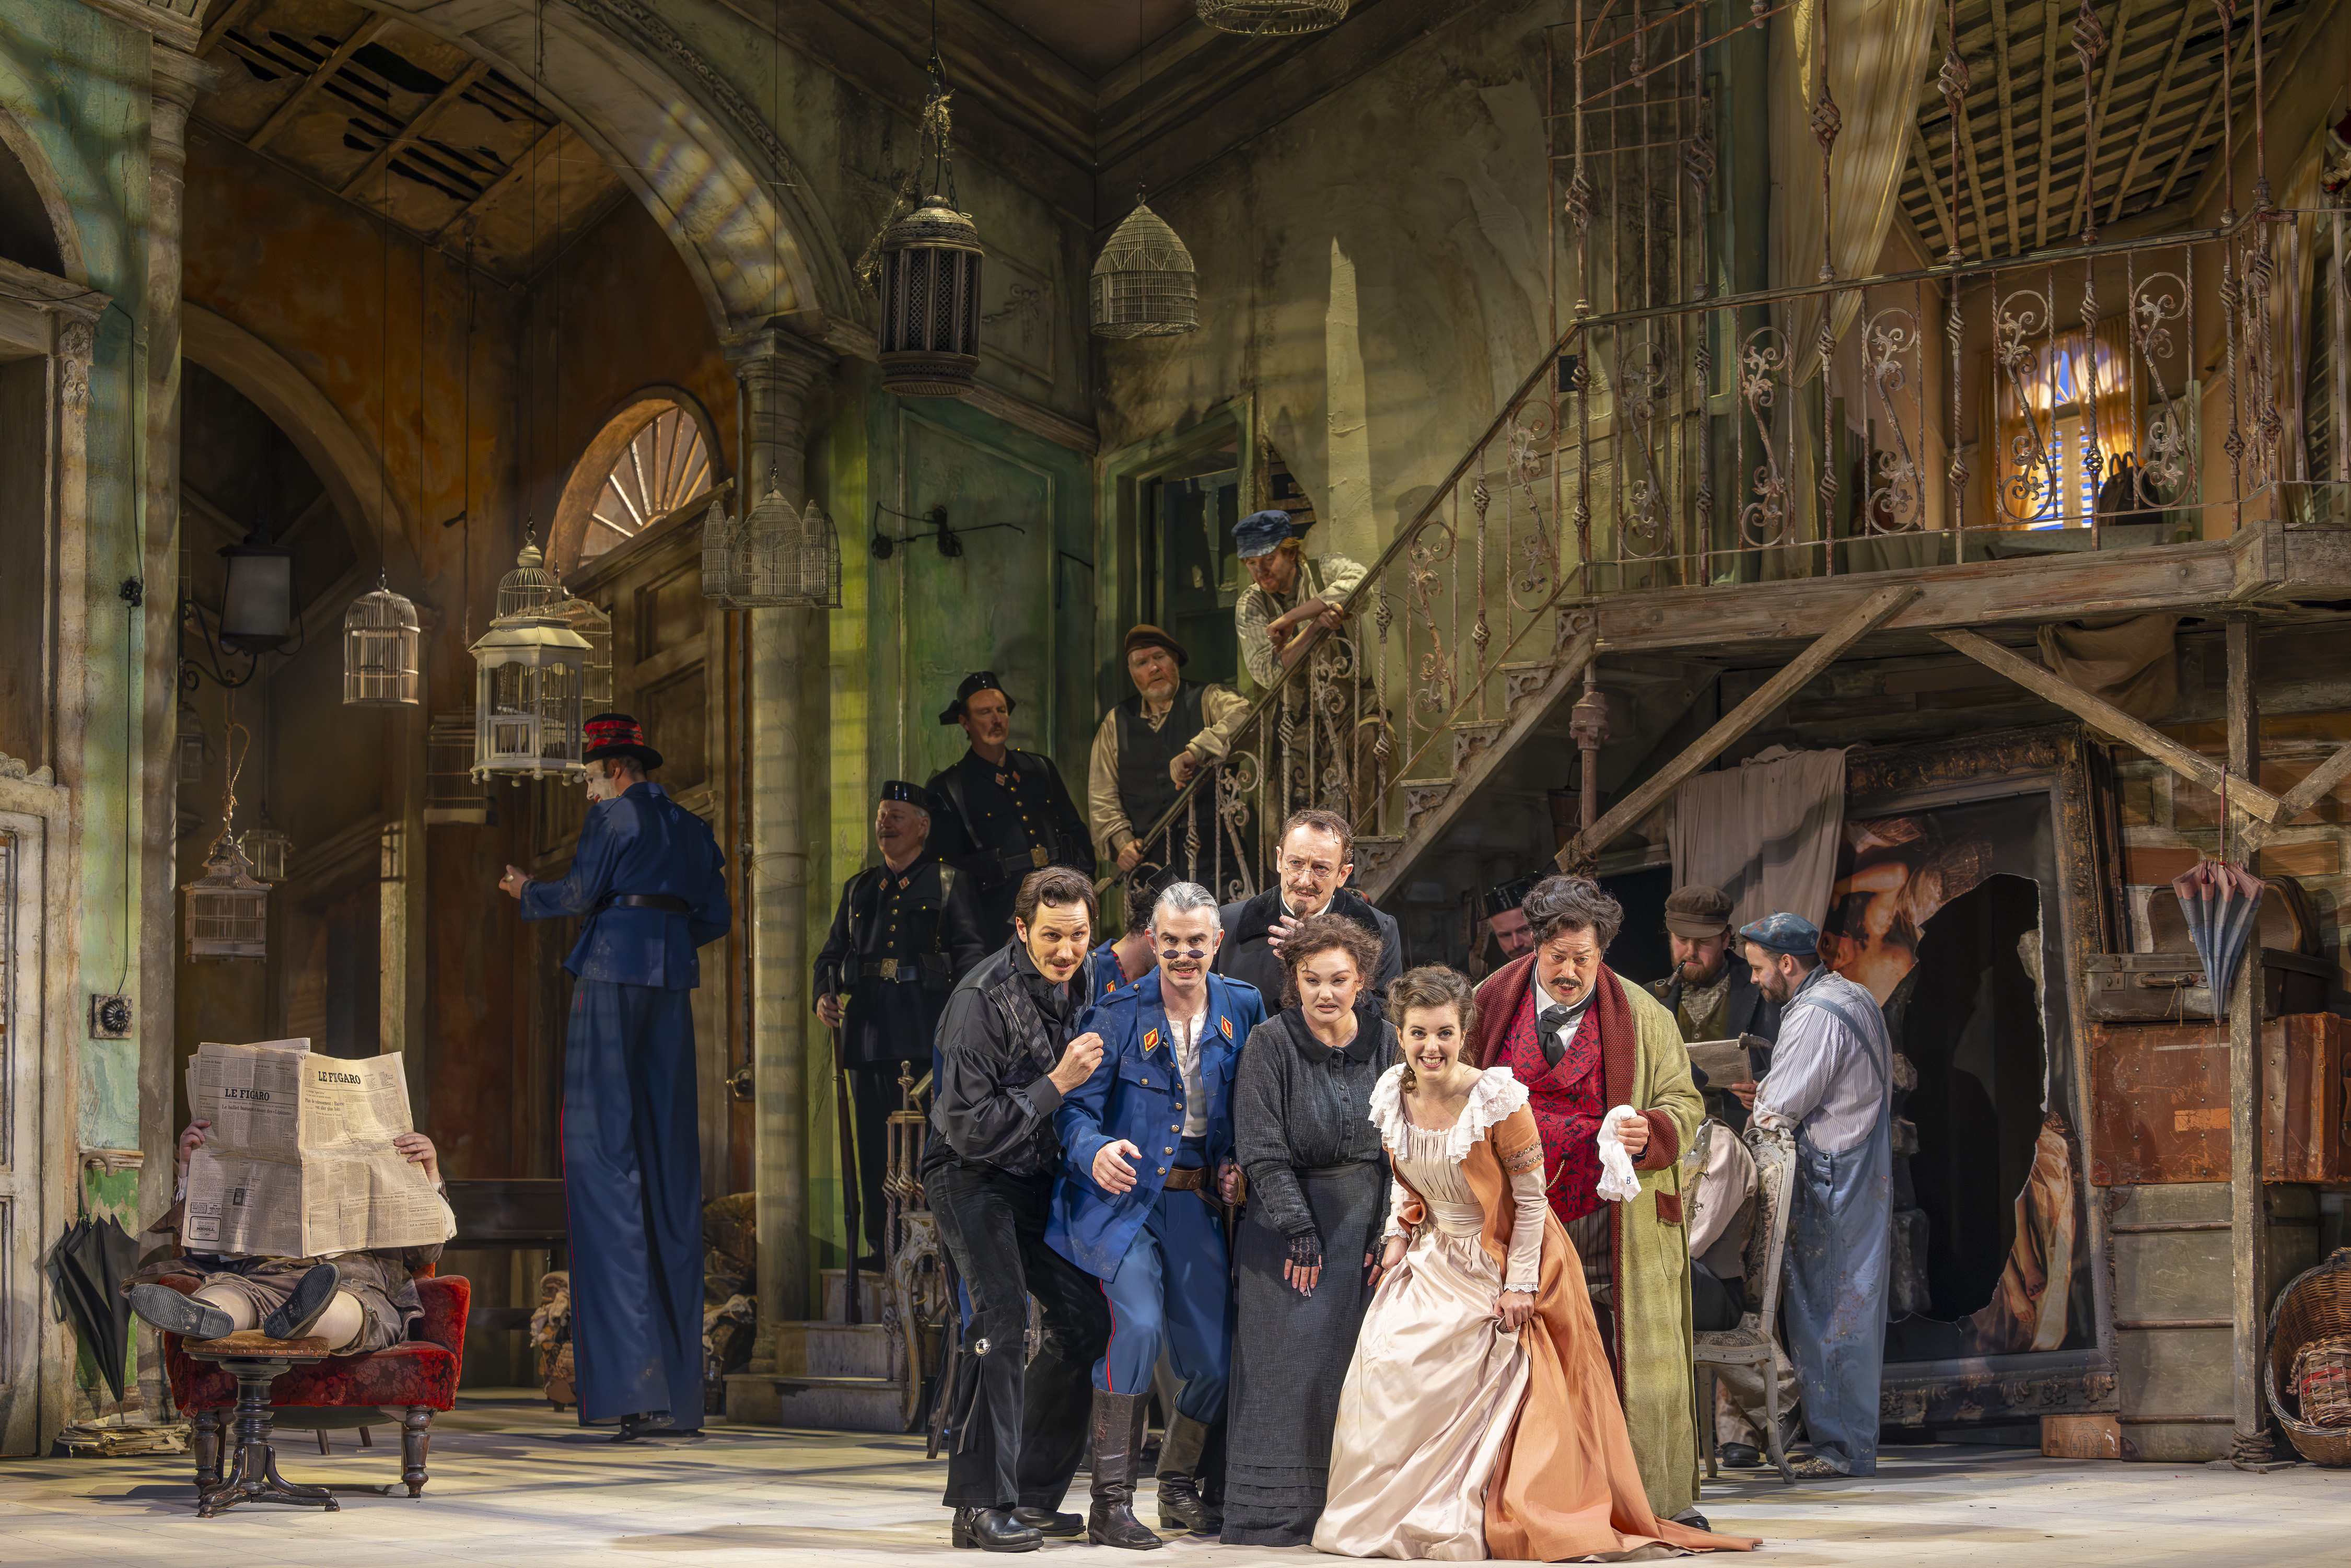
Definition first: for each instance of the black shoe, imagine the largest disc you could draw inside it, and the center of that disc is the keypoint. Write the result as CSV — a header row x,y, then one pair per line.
x,y
299,1313
166,1308
1181,1506
993,1530
1045,1522
1741,1456
1117,1438
1692,1518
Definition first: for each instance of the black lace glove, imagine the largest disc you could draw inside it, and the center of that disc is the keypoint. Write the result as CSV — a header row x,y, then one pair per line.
x,y
1306,1251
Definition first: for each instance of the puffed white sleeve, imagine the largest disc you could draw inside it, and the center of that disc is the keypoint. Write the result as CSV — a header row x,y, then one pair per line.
x,y
1524,1270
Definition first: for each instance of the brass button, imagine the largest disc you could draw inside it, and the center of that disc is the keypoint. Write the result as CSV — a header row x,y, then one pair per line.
x,y
1163,1170
1168,1150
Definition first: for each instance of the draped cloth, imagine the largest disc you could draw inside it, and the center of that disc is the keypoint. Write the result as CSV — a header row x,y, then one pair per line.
x,y
1766,832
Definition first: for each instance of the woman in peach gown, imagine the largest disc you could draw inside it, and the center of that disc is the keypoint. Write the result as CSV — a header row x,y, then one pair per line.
x,y
1479,1418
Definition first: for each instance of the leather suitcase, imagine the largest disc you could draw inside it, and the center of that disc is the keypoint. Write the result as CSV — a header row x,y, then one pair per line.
x,y
2168,987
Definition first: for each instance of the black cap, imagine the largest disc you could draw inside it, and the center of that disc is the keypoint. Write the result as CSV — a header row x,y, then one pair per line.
x,y
973,685
1508,896
912,794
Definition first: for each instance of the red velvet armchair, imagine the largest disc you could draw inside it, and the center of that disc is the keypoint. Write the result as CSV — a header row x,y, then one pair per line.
x,y
417,1379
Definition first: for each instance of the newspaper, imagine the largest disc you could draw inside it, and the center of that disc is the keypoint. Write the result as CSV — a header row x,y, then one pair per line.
x,y
1726,1062
299,1161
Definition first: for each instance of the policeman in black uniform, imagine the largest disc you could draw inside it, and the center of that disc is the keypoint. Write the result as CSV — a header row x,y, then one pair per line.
x,y
905,931
1003,813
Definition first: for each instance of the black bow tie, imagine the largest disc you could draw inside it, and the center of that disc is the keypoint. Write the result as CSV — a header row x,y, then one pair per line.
x,y
1553,1020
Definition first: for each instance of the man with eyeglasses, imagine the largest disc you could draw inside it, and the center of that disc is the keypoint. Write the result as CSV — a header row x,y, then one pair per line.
x,y
1147,1169
1312,863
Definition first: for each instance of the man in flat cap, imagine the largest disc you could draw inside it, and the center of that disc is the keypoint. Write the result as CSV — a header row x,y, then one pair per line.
x,y
1150,746
1291,604
1831,1084
648,886
1506,917
905,932
1002,813
1710,992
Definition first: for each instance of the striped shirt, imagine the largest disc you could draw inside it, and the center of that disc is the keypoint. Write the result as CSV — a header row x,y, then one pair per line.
x,y
1826,1080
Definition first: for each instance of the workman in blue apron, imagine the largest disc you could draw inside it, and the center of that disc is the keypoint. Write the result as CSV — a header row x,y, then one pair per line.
x,y
648,886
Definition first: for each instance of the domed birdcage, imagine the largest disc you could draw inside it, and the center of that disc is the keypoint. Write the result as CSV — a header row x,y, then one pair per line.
x,y
718,564
1272,18
529,675
529,587
1144,284
929,337
267,851
787,559
380,638
228,911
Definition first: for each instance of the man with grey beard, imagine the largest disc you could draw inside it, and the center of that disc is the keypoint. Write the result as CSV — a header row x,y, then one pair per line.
x,y
1149,747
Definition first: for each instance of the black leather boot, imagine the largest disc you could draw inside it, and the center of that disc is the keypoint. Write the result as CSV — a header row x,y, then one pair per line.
x,y
1181,1506
993,1530
1045,1522
1117,1429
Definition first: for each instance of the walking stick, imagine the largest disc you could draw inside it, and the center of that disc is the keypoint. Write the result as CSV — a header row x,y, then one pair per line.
x,y
850,1204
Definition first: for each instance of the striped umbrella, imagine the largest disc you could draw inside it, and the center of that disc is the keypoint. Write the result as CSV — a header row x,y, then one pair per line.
x,y
2221,902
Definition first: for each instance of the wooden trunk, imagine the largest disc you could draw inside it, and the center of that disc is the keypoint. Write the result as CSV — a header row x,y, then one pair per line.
x,y
2168,987
2159,1102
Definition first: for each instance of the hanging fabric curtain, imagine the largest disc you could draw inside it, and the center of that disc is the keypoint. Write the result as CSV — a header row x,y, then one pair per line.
x,y
2222,901
1766,832
2050,406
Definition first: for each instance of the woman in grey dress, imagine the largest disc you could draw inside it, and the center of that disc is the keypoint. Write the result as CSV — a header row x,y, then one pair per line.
x,y
1318,1187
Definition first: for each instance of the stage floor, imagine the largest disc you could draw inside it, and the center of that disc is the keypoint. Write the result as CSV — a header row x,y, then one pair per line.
x,y
513,1482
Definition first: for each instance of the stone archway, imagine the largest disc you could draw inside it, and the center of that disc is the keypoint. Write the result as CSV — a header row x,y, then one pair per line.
x,y
713,175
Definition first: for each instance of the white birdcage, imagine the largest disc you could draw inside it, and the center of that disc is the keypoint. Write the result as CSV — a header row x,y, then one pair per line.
x,y
595,629
189,747
1144,284
787,559
529,587
228,911
267,851
380,638
528,670
718,564
453,795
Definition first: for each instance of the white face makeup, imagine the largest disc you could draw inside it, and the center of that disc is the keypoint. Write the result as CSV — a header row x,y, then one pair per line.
x,y
1185,943
605,782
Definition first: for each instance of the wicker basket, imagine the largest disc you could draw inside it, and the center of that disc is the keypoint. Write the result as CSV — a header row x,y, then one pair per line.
x,y
2315,1307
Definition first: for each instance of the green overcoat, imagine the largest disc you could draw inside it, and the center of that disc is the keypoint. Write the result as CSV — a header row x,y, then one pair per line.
x,y
1644,1065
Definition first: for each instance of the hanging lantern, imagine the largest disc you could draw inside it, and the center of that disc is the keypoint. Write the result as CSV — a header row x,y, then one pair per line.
x,y
1144,284
228,911
257,610
379,651
267,851
453,795
529,669
930,303
190,745
786,559
718,536
1272,18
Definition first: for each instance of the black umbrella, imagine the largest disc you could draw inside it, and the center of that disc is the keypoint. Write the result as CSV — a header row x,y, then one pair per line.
x,y
88,1267
2221,902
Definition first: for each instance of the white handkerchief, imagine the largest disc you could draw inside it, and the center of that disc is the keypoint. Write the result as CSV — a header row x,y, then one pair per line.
x,y
1617,1181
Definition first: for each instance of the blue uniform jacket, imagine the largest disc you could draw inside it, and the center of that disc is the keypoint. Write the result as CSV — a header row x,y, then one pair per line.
x,y
1137,1094
642,842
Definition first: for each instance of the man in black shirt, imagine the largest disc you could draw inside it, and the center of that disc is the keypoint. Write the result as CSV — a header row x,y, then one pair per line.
x,y
905,931
1003,813
1003,1059
1312,861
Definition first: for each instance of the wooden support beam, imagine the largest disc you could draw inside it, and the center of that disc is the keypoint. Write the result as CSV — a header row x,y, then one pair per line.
x,y
2004,86
1862,620
227,16
2248,1218
442,101
1925,161
523,161
309,86
2188,20
2200,770
2051,12
2303,796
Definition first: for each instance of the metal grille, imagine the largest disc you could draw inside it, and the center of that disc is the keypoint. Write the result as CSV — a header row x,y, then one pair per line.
x,y
1272,18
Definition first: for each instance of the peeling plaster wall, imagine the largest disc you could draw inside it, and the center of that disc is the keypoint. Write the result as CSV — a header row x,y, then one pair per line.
x,y
1424,182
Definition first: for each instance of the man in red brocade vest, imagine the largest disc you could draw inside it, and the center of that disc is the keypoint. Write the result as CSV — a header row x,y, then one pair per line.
x,y
1587,1045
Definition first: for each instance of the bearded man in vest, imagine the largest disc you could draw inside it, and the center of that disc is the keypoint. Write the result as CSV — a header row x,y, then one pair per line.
x,y
1150,746
1591,1049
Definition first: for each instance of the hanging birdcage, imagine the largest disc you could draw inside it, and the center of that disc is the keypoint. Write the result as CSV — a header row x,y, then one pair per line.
x,y
1144,284
787,559
595,629
190,744
529,669
530,588
1272,18
379,651
228,911
929,337
718,534
453,795
267,851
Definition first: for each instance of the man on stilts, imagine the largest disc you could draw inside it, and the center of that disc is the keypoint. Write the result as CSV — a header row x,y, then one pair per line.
x,y
648,886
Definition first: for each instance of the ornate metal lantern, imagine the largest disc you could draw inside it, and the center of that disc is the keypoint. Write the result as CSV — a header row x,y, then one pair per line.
x,y
529,669
453,796
189,747
267,851
1272,18
257,609
379,651
1144,284
930,303
787,560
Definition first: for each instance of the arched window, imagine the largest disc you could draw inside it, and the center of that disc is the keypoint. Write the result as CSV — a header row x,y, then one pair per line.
x,y
664,466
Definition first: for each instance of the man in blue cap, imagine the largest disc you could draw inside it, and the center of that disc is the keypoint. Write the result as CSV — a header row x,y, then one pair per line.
x,y
648,886
905,932
1002,812
1831,1083
1291,604
1147,1168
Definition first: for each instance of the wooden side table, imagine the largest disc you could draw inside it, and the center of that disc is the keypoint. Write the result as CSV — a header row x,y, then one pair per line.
x,y
256,1361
